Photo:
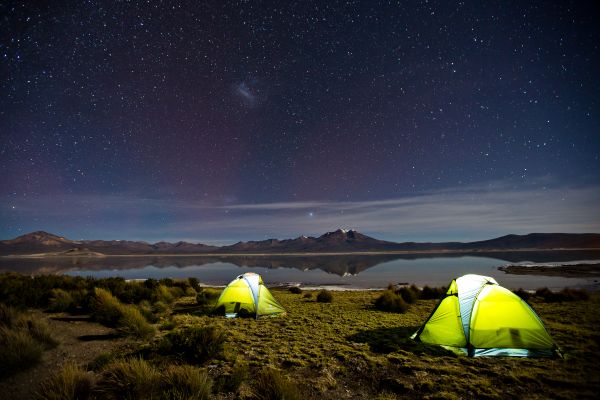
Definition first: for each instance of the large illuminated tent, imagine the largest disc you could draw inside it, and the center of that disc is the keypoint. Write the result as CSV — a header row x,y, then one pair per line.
x,y
481,318
247,295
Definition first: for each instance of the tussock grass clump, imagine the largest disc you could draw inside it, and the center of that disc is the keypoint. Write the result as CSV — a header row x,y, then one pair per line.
x,y
428,293
325,296
567,294
196,344
390,301
106,307
162,293
108,310
231,383
409,294
132,322
186,382
295,290
70,383
271,384
18,350
522,294
61,301
133,378
207,297
22,340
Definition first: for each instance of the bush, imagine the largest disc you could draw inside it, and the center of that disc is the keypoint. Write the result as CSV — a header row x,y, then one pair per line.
x,y
129,379
207,297
162,293
60,301
567,294
409,294
38,329
428,293
325,296
232,382
391,301
132,322
194,284
522,294
71,383
109,311
295,290
271,384
186,382
195,343
18,350
106,307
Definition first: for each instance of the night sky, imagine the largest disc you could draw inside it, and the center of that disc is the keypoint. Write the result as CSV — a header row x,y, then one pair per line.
x,y
222,121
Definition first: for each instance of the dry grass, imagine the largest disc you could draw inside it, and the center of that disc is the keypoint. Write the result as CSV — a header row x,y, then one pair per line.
x,y
71,383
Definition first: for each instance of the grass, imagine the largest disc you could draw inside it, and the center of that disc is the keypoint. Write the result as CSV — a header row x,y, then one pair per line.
x,y
186,382
23,340
129,379
271,384
195,343
343,349
325,296
391,301
109,311
70,383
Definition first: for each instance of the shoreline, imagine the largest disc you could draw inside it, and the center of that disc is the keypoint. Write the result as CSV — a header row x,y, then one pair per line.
x,y
292,254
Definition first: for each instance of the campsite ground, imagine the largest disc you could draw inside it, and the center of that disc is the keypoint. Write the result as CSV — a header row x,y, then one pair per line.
x,y
347,349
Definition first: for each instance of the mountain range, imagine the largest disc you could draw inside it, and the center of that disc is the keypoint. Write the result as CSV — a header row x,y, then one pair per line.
x,y
339,241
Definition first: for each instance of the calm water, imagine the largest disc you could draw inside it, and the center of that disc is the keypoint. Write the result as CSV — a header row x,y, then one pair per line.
x,y
345,271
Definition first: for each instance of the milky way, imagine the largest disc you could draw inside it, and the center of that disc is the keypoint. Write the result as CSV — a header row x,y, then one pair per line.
x,y
155,120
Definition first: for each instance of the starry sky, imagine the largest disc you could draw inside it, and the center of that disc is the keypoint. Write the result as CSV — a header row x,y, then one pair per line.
x,y
219,121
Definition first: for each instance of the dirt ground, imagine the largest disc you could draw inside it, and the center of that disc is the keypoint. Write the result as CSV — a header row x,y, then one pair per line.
x,y
80,341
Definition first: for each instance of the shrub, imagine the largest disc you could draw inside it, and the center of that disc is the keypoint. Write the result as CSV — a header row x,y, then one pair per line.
x,y
196,343
38,329
295,290
162,293
325,296
132,322
194,284
106,307
391,301
146,309
8,316
129,379
100,362
186,382
522,294
207,297
428,293
60,301
18,350
71,383
409,294
232,382
271,384
567,294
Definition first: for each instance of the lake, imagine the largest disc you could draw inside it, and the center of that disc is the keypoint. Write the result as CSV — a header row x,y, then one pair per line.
x,y
348,271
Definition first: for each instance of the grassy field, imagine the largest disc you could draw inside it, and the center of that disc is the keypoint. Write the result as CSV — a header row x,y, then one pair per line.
x,y
342,349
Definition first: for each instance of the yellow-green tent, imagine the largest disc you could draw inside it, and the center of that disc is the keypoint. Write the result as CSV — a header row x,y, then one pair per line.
x,y
247,295
481,318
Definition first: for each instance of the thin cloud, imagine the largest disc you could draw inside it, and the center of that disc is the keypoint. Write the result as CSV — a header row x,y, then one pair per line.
x,y
474,212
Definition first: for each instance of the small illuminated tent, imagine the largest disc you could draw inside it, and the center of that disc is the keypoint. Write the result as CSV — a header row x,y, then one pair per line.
x,y
478,317
247,295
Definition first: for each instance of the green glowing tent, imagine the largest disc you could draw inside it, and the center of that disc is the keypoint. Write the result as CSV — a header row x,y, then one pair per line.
x,y
247,295
478,317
